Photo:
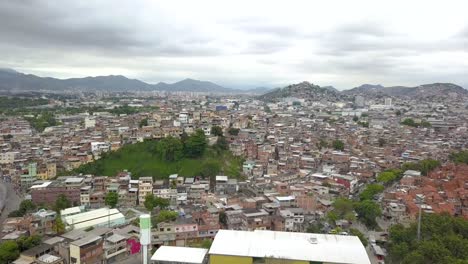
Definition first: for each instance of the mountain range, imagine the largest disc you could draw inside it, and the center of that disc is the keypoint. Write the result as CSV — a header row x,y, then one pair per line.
x,y
425,91
11,80
306,90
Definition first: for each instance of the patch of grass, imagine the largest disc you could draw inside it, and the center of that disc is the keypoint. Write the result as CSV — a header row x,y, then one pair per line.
x,y
140,160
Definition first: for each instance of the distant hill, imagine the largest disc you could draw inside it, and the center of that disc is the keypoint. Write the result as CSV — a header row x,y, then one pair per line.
x,y
304,90
257,90
11,80
426,91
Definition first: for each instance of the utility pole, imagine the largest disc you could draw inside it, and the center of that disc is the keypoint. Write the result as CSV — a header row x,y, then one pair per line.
x,y
419,223
419,201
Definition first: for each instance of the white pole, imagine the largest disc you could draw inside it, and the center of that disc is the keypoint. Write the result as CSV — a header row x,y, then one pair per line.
x,y
145,254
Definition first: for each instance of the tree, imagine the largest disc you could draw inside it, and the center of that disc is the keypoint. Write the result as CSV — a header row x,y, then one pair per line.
x,y
382,142
223,218
221,144
343,209
316,228
149,202
398,113
370,191
61,203
233,131
196,144
161,202
355,118
58,226
409,122
27,206
424,166
428,165
166,216
217,131
25,243
206,243
368,211
386,177
143,122
112,198
459,157
210,169
322,144
338,145
9,251
170,149
424,123
362,237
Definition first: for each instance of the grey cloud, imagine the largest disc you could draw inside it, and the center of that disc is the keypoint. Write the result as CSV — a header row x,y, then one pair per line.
x,y
40,24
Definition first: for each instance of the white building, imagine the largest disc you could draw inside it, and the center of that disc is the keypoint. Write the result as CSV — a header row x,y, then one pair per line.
x,y
180,255
275,247
103,217
89,122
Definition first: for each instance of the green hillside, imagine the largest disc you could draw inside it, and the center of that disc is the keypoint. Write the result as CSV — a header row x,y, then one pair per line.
x,y
142,159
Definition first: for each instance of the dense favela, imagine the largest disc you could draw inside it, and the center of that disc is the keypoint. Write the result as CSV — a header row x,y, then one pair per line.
x,y
234,132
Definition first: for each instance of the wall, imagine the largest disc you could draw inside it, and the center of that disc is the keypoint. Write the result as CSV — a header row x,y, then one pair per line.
x,y
219,259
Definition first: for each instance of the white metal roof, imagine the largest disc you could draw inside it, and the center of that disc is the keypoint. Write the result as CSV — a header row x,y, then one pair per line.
x,y
292,246
95,216
180,254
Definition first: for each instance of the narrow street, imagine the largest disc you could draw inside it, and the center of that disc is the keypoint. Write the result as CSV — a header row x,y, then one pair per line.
x,y
9,200
361,227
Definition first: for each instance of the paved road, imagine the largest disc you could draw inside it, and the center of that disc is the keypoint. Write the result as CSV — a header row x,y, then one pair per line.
x,y
361,227
9,200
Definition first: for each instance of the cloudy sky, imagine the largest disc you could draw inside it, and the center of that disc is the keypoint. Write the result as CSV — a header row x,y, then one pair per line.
x,y
240,43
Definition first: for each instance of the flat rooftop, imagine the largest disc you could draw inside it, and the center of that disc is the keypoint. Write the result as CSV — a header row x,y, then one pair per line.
x,y
290,246
180,254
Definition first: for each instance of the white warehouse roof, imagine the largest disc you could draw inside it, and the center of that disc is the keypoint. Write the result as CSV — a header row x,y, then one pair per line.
x,y
291,246
94,218
180,254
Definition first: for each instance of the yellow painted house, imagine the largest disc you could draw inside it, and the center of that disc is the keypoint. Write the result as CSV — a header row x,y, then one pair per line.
x,y
271,247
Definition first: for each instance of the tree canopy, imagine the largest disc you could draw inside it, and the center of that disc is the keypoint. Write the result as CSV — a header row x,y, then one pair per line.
x,y
164,216
152,201
424,166
338,145
233,131
61,203
368,211
26,206
217,131
112,199
459,157
444,240
195,144
170,149
370,191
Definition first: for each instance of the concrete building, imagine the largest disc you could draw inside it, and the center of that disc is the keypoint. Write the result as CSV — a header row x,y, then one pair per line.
x,y
87,250
285,247
145,187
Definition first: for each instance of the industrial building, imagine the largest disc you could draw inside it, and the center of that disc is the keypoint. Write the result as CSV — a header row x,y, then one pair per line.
x,y
103,217
261,246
